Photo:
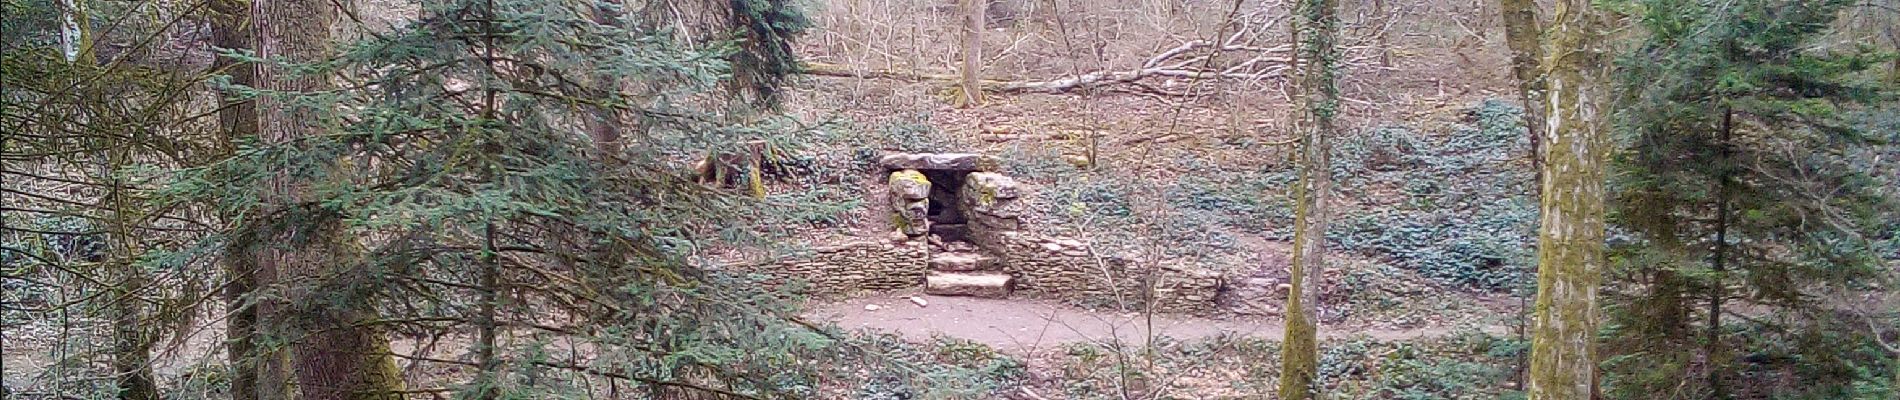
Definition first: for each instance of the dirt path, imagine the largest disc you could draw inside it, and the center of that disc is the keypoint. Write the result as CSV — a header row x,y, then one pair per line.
x,y
1017,324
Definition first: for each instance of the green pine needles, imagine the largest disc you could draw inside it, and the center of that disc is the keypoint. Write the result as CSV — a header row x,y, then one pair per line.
x,y
1741,185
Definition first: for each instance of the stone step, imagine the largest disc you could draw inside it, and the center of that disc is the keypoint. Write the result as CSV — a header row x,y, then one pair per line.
x,y
994,285
961,262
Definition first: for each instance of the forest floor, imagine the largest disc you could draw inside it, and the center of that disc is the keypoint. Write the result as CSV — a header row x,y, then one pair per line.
x,y
1025,325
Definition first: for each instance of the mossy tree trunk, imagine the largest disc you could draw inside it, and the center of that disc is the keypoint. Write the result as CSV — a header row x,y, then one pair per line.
x,y
132,347
1571,230
327,312
237,118
1316,36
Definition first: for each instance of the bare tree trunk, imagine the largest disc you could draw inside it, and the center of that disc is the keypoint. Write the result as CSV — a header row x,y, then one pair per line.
x,y
338,354
972,53
1319,96
231,29
1718,284
1571,230
132,348
1384,40
1521,32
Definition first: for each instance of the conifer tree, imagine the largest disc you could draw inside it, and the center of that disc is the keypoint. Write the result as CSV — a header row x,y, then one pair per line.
x,y
1745,180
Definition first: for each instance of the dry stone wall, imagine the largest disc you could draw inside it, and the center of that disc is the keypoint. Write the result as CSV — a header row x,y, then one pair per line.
x,y
1065,269
851,267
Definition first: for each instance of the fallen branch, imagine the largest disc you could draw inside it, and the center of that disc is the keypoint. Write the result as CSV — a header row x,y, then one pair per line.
x,y
1084,81
1169,63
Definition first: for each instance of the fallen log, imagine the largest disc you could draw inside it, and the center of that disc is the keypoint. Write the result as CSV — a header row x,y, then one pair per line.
x,y
1060,85
1166,64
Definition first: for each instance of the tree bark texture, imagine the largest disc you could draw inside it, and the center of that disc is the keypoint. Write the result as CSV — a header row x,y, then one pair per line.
x,y
1316,39
75,34
231,29
1522,33
1571,230
336,355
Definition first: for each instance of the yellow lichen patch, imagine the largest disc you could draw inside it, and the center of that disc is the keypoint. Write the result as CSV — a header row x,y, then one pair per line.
x,y
909,175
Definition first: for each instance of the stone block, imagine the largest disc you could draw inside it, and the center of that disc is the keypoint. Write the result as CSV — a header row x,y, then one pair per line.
x,y
913,217
961,262
993,285
940,161
909,185
993,185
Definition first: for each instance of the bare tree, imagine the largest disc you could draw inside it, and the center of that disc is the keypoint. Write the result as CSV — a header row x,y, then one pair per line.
x,y
1316,36
972,88
1571,231
1522,32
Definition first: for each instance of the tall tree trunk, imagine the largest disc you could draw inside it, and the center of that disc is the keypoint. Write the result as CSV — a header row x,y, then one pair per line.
x,y
337,353
1384,38
972,53
1571,230
1319,96
1522,31
1719,260
490,379
231,29
131,346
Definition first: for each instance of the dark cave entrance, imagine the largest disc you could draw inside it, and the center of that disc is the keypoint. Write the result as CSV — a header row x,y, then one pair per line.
x,y
946,214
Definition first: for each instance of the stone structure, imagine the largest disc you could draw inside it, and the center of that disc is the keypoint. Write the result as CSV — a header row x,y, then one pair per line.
x,y
910,202
963,236
850,267
1068,270
959,162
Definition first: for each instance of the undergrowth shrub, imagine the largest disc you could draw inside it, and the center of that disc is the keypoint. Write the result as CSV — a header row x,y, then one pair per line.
x,y
918,137
1466,217
1248,202
944,368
